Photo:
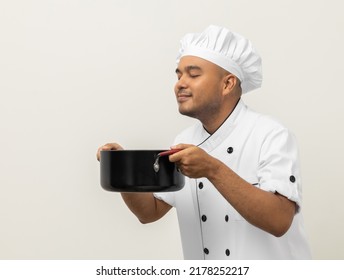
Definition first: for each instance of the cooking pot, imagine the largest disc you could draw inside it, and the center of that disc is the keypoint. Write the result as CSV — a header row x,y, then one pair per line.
x,y
135,171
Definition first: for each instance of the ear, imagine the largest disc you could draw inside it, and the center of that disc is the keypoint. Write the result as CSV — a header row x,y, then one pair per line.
x,y
229,83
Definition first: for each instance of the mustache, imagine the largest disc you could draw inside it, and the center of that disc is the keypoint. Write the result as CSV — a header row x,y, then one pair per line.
x,y
184,92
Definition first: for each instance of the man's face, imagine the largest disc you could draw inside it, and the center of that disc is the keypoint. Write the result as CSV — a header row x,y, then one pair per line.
x,y
199,87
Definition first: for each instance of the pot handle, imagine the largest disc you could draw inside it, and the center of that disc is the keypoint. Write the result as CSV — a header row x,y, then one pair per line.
x,y
169,152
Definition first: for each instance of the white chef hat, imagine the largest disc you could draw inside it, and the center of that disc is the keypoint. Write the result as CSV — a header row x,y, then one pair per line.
x,y
228,50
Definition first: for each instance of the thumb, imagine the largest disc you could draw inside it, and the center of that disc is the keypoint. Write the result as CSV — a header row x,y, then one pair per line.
x,y
181,146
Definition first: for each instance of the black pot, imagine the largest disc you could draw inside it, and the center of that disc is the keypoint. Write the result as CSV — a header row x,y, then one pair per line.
x,y
133,171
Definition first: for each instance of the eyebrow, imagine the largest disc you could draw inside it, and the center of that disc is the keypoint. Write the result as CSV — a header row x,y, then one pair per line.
x,y
189,68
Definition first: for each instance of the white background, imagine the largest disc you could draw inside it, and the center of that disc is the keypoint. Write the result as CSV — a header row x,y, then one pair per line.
x,y
75,74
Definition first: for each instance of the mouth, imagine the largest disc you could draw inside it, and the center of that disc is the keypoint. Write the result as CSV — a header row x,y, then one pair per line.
x,y
182,97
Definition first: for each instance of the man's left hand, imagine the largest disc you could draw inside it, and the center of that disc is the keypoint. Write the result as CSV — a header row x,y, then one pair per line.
x,y
192,161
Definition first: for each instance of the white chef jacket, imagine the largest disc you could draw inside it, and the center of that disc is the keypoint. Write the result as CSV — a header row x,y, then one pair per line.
x,y
264,153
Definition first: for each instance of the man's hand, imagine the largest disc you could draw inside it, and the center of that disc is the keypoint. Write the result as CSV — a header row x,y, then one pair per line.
x,y
108,147
193,161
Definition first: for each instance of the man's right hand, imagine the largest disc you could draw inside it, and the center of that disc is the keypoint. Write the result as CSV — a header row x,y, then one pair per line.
x,y
108,147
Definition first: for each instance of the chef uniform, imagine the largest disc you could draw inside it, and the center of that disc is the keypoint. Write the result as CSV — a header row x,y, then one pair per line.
x,y
256,147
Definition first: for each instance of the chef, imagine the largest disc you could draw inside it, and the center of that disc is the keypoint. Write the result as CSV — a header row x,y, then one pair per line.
x,y
242,197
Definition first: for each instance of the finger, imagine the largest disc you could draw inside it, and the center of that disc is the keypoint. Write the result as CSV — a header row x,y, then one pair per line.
x,y
179,155
176,157
112,147
108,147
181,146
102,148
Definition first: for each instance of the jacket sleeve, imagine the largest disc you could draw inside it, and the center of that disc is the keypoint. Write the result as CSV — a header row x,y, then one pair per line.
x,y
279,169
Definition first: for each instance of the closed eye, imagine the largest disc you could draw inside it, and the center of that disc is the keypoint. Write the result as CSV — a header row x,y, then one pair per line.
x,y
191,70
194,75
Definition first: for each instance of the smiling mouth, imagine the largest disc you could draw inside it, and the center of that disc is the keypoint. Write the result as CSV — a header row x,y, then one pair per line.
x,y
181,97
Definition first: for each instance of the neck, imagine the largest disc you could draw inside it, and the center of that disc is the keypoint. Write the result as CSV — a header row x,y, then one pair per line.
x,y
214,123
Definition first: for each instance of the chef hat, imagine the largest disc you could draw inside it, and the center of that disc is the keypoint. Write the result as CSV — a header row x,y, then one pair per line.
x,y
228,50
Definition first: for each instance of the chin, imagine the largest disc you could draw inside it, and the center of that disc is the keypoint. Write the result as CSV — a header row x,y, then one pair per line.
x,y
187,113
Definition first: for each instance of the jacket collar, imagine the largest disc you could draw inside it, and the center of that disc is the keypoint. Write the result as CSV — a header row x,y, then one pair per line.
x,y
209,142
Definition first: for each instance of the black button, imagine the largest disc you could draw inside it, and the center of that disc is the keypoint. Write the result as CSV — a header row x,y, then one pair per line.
x,y
230,150
206,251
228,252
292,179
200,185
226,218
204,218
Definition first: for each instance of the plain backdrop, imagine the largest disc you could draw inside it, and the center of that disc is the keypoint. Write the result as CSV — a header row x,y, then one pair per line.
x,y
76,74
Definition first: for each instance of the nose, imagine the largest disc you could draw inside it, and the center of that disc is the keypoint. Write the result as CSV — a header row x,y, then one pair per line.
x,y
180,84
